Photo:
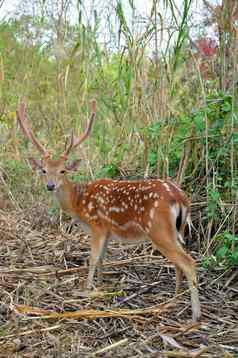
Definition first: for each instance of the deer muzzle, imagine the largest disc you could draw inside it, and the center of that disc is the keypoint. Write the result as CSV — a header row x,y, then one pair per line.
x,y
50,185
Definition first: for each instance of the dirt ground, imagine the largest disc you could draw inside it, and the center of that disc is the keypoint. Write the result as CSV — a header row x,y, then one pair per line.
x,y
45,311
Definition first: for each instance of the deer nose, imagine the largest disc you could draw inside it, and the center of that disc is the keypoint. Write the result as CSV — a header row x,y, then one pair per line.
x,y
50,186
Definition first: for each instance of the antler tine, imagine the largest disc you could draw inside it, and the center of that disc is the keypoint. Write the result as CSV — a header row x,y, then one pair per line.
x,y
84,135
69,146
21,118
75,141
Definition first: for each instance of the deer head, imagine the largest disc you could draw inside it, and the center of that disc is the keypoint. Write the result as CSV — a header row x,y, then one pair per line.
x,y
53,171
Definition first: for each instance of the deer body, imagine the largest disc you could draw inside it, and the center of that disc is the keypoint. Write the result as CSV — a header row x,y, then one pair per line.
x,y
124,209
131,211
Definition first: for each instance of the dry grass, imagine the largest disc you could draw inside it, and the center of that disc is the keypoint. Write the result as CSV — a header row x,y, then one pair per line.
x,y
45,311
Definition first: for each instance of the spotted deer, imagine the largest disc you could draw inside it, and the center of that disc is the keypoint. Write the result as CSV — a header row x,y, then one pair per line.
x,y
153,210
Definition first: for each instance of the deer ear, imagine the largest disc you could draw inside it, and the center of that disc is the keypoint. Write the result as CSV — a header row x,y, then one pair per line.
x,y
73,166
35,164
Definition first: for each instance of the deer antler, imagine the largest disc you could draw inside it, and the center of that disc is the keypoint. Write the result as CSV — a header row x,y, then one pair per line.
x,y
75,141
21,118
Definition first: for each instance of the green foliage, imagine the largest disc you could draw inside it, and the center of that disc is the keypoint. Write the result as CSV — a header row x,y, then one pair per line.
x,y
110,170
213,202
226,252
16,180
116,75
17,171
209,262
152,159
154,130
53,209
153,133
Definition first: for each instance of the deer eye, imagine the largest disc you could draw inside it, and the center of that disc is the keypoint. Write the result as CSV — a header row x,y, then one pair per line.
x,y
62,171
43,171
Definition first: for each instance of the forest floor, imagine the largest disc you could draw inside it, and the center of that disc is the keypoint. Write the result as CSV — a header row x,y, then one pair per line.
x,y
45,311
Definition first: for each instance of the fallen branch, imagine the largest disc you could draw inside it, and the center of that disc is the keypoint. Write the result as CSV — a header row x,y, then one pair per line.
x,y
91,314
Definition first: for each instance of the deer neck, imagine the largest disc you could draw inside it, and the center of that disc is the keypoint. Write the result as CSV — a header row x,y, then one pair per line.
x,y
66,194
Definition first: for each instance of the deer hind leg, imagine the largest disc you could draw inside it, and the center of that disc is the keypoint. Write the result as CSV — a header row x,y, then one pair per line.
x,y
98,249
179,272
166,241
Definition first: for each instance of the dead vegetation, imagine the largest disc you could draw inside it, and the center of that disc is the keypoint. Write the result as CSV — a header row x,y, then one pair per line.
x,y
46,312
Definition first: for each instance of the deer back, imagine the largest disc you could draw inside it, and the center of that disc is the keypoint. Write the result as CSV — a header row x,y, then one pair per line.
x,y
130,208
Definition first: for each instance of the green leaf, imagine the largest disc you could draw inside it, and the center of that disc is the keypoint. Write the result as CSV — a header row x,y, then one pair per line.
x,y
199,122
152,158
222,251
226,107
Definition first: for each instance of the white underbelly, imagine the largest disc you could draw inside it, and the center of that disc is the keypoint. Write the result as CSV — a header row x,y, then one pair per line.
x,y
123,237
128,239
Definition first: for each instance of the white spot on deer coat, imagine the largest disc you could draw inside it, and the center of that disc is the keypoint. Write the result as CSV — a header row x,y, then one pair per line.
x,y
167,188
156,203
125,205
100,199
115,209
152,213
90,206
